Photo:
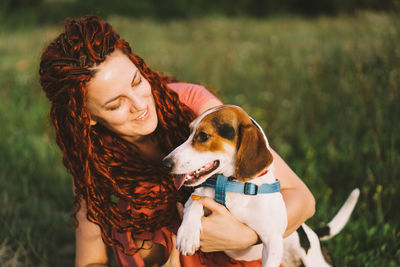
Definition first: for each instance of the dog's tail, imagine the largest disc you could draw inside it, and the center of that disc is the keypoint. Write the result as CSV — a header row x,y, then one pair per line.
x,y
341,218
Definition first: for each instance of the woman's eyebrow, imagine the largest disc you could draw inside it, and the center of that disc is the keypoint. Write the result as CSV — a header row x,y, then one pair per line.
x,y
134,77
114,98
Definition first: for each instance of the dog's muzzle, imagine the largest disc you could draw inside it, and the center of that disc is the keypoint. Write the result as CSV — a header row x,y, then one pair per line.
x,y
168,164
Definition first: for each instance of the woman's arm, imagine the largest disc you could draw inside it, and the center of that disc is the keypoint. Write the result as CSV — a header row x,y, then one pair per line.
x,y
209,104
90,248
299,201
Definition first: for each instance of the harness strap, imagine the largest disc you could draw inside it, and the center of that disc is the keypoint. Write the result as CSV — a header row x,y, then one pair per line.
x,y
221,184
220,189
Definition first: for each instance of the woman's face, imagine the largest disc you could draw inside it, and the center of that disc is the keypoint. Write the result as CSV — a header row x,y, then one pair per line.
x,y
120,98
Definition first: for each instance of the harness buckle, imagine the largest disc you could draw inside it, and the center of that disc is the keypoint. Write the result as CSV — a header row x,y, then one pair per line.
x,y
250,189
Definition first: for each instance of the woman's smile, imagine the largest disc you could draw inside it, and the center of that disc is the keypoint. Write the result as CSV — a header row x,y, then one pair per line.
x,y
144,115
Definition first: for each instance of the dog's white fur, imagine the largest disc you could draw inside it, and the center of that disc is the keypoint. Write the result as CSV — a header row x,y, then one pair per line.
x,y
265,213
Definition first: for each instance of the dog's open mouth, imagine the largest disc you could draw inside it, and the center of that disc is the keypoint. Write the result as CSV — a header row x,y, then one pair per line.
x,y
192,177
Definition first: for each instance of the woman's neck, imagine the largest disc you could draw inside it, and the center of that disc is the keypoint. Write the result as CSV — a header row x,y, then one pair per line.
x,y
149,148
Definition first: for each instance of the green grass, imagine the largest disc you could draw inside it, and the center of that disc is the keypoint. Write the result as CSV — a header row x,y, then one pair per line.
x,y
326,90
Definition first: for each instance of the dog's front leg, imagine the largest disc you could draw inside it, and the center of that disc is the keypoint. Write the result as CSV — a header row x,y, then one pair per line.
x,y
272,250
188,237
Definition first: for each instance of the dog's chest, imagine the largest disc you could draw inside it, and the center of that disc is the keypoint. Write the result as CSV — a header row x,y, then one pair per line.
x,y
242,206
253,210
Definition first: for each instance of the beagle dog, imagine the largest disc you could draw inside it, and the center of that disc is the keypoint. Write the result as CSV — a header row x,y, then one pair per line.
x,y
225,140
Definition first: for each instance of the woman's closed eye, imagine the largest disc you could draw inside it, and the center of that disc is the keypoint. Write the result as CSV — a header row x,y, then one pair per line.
x,y
114,106
137,81
118,103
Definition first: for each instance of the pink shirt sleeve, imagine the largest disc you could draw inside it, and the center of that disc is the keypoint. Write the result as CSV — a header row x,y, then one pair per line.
x,y
192,95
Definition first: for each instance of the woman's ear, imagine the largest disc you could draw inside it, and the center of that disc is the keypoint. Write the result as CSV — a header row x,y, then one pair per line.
x,y
252,156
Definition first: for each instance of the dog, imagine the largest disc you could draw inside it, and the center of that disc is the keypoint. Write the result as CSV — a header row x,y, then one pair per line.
x,y
226,142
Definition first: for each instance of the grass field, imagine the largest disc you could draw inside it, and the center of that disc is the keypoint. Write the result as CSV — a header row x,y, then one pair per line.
x,y
326,90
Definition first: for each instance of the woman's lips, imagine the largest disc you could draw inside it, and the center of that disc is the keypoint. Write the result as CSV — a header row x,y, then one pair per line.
x,y
144,115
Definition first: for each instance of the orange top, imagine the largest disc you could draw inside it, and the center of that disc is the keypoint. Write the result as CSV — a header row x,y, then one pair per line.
x,y
194,96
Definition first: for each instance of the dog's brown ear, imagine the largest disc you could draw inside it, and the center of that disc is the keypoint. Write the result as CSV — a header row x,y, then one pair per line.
x,y
252,155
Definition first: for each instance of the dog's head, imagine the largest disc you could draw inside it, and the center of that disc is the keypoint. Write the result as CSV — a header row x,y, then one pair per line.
x,y
222,140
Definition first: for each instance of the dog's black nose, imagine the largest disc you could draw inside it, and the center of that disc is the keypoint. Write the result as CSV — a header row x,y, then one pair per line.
x,y
168,164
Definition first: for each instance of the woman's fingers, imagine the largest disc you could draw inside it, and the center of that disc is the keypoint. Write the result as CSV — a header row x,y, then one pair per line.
x,y
210,204
221,230
173,260
180,208
174,252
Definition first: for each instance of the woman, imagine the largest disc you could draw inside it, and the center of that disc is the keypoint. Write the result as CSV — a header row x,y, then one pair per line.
x,y
115,119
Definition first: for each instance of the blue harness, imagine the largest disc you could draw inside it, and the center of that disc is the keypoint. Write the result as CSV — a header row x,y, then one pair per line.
x,y
222,184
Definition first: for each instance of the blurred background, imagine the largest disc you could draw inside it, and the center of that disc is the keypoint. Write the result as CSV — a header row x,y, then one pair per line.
x,y
321,77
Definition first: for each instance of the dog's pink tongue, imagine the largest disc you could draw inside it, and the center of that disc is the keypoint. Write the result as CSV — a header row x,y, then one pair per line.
x,y
179,180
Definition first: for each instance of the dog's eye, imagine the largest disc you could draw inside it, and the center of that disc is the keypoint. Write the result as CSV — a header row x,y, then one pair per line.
x,y
202,137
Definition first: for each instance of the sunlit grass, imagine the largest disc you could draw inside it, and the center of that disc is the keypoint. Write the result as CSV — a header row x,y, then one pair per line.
x,y
326,90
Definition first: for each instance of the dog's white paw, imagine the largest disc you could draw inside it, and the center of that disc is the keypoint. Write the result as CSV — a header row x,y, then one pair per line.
x,y
188,239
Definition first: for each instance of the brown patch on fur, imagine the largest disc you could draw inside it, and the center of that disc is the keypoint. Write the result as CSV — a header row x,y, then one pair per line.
x,y
209,126
252,153
213,144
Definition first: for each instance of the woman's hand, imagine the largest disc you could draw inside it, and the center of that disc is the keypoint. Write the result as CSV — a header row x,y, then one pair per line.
x,y
173,260
221,231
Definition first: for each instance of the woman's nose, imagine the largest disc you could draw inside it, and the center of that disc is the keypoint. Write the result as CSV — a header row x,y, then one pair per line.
x,y
137,103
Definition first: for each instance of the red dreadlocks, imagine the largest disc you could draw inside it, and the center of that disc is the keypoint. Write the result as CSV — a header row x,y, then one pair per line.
x,y
103,165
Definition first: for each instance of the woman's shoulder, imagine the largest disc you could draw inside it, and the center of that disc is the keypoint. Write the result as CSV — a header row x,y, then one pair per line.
x,y
185,87
193,95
